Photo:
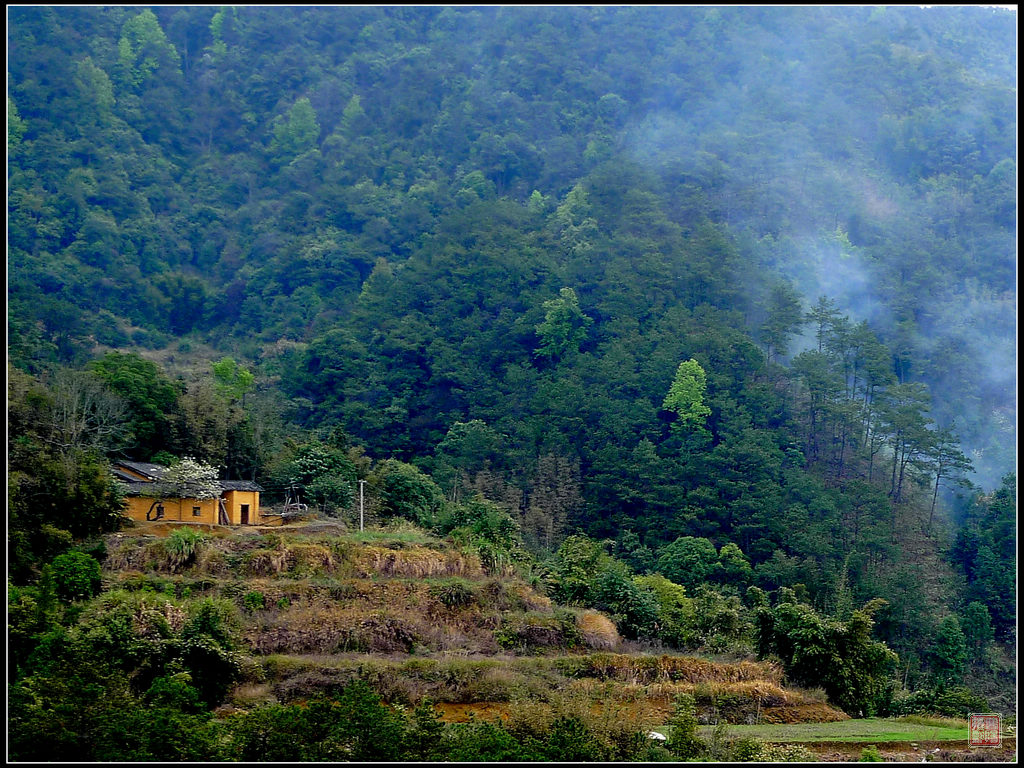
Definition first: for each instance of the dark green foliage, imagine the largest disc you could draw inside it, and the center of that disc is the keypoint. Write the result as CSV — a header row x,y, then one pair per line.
x,y
53,501
405,491
839,656
870,754
985,553
152,400
569,740
634,609
582,573
485,527
575,566
976,624
254,601
689,561
356,726
32,612
564,327
676,619
485,742
955,701
424,733
950,651
77,704
320,474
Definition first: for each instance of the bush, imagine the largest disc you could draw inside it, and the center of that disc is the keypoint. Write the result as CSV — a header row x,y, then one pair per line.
x,y
634,608
951,702
689,561
683,740
76,576
254,601
676,616
870,754
485,742
183,546
454,593
406,492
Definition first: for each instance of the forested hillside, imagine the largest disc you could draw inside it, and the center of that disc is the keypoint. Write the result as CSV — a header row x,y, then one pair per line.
x,y
724,297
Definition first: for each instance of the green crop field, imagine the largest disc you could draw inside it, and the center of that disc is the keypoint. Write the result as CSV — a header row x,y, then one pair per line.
x,y
866,730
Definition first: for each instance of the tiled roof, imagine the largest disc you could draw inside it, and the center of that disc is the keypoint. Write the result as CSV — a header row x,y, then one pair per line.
x,y
239,485
152,471
136,487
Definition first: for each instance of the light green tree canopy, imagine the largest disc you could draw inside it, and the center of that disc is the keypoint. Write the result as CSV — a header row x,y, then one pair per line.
x,y
296,133
564,327
232,379
685,397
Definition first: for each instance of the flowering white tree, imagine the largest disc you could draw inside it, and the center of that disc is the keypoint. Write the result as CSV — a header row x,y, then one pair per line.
x,y
190,479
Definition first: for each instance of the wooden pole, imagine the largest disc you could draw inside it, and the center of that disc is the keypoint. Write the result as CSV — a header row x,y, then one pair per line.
x,y
362,483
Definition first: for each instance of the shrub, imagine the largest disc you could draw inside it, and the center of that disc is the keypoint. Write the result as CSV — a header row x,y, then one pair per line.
x,y
254,601
870,754
747,750
689,561
959,701
786,753
634,608
683,740
183,546
76,576
676,616
485,742
454,593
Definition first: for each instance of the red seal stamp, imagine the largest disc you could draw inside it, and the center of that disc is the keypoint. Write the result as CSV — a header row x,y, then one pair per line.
x,y
984,730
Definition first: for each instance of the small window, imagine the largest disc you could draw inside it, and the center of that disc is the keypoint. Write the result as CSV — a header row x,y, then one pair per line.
x,y
197,511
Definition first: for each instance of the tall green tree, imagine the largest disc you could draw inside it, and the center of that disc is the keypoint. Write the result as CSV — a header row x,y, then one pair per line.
x,y
685,399
564,327
152,398
784,315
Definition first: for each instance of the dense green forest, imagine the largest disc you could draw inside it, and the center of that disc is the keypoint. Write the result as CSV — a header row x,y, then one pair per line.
x,y
647,298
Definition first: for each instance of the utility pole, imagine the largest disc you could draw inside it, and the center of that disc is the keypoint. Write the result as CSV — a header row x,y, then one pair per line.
x,y
362,483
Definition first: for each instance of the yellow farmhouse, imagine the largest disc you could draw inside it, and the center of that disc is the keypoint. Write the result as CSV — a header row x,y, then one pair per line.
x,y
238,503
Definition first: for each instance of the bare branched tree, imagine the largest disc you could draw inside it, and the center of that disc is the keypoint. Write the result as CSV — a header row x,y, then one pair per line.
x,y
86,416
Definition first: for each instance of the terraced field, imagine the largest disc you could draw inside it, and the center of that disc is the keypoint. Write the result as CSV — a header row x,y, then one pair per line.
x,y
419,618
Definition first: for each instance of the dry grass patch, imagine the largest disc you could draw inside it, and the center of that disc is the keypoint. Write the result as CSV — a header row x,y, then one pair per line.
x,y
598,631
646,669
265,562
416,562
319,626
251,694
